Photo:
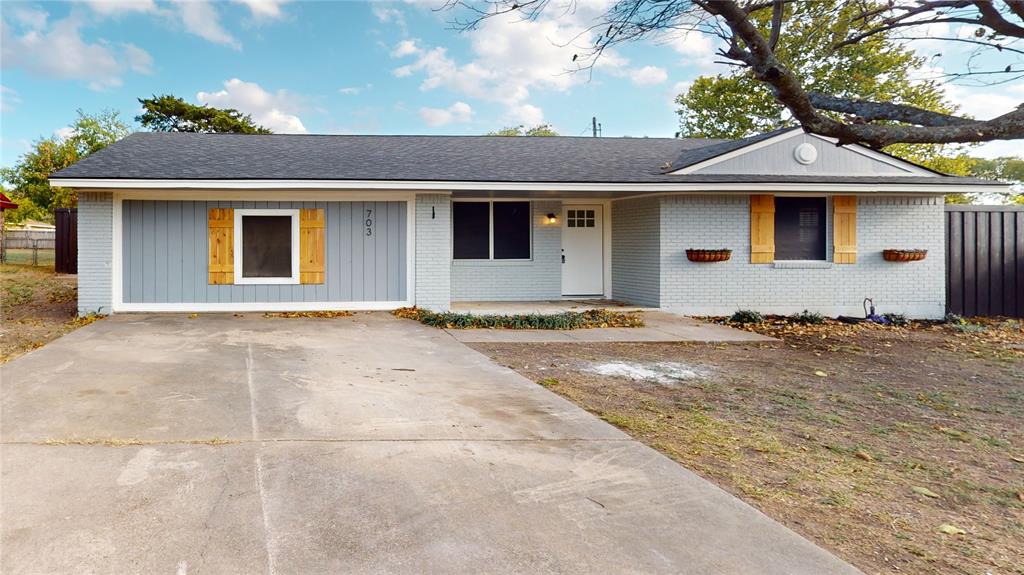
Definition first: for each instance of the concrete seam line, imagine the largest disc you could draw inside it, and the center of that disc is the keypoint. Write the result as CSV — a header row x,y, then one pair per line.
x,y
267,543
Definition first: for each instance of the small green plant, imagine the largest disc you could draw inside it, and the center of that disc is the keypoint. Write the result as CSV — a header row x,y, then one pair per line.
x,y
954,319
593,318
745,316
807,318
897,319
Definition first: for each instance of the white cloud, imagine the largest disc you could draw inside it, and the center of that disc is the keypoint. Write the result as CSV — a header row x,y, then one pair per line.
x,y
387,14
697,48
648,76
31,17
8,98
60,52
118,7
405,48
64,133
459,112
264,9
350,91
200,18
678,88
276,110
525,114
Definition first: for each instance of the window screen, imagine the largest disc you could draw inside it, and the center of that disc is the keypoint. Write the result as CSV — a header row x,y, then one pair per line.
x,y
470,230
799,228
511,230
266,246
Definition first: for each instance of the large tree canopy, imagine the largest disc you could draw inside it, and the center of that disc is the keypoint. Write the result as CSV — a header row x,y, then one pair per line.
x,y
753,33
28,178
737,105
172,114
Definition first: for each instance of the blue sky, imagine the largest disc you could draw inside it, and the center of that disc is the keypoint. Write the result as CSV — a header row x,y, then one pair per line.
x,y
346,67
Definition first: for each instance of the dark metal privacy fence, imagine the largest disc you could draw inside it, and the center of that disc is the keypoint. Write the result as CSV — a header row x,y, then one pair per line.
x,y
66,242
985,260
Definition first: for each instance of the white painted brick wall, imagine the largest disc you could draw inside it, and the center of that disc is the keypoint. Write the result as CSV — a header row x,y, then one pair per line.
x,y
537,279
95,252
722,221
433,251
636,261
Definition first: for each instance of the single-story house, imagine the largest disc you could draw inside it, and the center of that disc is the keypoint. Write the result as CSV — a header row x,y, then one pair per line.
x,y
215,222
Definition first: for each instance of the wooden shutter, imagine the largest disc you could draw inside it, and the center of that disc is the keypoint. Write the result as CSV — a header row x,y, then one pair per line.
x,y
762,229
844,229
311,246
221,234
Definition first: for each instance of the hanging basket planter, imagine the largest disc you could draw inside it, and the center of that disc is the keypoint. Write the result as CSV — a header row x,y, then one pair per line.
x,y
708,255
904,255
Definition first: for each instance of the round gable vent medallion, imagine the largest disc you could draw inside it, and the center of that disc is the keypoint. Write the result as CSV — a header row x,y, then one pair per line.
x,y
805,153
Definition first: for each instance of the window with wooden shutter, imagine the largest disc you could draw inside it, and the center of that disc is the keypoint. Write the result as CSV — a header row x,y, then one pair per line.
x,y
311,246
220,232
844,229
762,229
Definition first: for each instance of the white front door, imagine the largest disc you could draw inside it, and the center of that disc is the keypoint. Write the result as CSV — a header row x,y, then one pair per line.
x,y
582,250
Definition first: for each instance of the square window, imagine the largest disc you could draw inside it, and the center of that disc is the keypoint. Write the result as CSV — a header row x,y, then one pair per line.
x,y
266,246
799,228
491,230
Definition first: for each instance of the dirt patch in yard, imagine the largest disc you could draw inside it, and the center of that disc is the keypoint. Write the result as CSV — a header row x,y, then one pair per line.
x,y
36,306
900,449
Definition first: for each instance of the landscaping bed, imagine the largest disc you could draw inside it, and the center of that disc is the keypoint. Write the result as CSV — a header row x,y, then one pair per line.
x,y
36,306
594,318
900,449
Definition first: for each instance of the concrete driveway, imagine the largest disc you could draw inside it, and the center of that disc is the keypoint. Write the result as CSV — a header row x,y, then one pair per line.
x,y
163,444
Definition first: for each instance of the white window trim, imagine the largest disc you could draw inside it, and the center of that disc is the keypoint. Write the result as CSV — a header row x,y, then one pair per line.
x,y
239,214
490,231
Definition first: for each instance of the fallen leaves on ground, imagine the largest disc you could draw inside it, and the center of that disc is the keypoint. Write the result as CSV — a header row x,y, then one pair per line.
x,y
313,314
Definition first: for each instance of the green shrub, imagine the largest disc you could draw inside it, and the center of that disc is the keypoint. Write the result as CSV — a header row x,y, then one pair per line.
x,y
952,318
897,319
567,320
807,317
746,316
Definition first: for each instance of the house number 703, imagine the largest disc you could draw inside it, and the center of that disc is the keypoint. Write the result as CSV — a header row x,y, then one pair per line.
x,y
369,222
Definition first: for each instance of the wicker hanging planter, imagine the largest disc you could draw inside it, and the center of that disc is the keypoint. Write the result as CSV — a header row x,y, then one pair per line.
x,y
904,255
708,255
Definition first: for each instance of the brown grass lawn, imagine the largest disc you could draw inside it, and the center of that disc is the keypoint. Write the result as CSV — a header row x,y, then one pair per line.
x,y
900,449
36,306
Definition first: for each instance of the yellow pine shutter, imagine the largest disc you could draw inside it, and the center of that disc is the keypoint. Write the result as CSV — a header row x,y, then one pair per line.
x,y
220,231
311,246
844,229
762,229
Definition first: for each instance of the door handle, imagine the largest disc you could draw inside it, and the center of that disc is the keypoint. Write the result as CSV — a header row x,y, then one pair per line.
x,y
563,258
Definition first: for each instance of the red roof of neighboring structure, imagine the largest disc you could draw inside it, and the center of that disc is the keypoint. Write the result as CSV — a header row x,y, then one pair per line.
x,y
6,203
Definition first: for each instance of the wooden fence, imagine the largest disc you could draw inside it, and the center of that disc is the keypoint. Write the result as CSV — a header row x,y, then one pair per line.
x,y
66,242
985,260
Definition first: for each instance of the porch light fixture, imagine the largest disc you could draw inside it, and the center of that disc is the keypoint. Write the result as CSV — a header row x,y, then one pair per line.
x,y
552,219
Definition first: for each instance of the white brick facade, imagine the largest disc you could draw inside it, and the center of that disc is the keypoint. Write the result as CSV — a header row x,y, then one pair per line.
x,y
636,251
433,251
95,252
540,278
723,221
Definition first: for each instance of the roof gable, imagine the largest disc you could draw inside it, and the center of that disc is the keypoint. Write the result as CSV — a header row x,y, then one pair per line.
x,y
792,152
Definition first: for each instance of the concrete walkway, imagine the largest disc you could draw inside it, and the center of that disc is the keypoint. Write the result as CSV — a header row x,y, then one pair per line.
x,y
162,444
659,327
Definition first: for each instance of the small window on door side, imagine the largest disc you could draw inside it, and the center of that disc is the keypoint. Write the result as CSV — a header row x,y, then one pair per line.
x,y
799,228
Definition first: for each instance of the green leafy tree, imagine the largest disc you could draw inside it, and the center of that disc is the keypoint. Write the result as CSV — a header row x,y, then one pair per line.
x,y
172,114
520,130
875,69
28,178
1007,168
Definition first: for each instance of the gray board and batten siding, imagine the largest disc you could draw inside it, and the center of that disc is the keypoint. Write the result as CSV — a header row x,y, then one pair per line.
x,y
165,254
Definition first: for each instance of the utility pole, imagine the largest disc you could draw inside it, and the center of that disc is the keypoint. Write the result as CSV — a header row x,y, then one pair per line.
x,y
595,127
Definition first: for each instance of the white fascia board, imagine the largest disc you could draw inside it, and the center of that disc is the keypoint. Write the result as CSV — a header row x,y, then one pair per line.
x,y
257,306
242,186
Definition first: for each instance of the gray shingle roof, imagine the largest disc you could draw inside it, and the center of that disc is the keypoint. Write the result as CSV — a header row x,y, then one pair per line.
x,y
171,155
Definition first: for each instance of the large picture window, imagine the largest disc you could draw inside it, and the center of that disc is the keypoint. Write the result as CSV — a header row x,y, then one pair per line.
x,y
266,246
491,230
799,228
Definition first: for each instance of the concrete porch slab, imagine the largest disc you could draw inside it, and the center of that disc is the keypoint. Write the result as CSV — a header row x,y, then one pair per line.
x,y
661,327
